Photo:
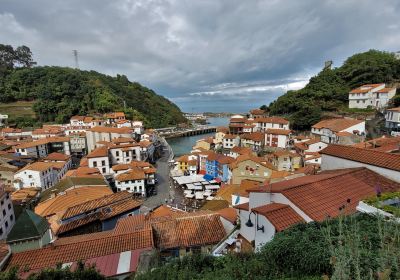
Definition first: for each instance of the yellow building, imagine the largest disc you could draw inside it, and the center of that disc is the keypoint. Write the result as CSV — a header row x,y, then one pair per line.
x,y
251,168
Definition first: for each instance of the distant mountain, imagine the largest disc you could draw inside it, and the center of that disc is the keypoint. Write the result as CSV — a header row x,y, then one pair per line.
x,y
59,93
328,91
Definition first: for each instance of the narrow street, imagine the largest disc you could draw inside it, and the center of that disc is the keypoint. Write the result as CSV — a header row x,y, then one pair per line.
x,y
164,192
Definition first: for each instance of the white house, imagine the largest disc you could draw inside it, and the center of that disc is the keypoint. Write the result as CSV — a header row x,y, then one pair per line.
x,y
338,156
392,118
371,95
132,181
7,220
101,133
230,140
277,206
310,146
81,121
39,174
262,124
124,150
277,138
3,120
312,158
35,149
137,127
99,159
327,129
254,140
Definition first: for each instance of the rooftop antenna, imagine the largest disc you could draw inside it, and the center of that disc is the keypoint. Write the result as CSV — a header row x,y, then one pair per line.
x,y
75,52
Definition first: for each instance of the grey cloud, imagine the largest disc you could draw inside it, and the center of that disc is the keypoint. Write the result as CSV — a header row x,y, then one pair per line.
x,y
183,47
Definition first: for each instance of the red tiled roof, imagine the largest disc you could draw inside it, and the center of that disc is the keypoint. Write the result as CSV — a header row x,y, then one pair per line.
x,y
278,131
397,109
372,157
57,157
191,229
385,90
337,125
280,215
243,206
96,203
278,120
257,112
135,173
51,255
367,87
319,196
121,130
230,136
228,214
254,136
98,152
222,129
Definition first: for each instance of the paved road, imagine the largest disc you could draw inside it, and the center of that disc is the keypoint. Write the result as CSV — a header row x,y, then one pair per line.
x,y
164,191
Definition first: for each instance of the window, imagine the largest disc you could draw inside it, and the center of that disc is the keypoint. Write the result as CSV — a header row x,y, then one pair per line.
x,y
11,217
6,223
9,206
29,176
94,163
103,162
2,202
117,153
4,212
104,170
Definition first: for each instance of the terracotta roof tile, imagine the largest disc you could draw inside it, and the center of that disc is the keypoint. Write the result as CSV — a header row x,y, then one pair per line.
x,y
57,157
372,157
98,152
254,136
280,215
71,198
278,131
51,255
278,120
337,125
320,196
243,206
96,203
122,130
133,174
228,214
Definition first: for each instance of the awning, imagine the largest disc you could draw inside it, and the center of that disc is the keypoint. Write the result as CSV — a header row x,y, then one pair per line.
x,y
208,177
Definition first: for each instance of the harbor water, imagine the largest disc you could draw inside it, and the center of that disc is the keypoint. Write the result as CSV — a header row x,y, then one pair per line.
x,y
183,145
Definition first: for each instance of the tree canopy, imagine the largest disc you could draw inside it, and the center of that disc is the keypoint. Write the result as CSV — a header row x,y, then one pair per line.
x,y
328,91
60,93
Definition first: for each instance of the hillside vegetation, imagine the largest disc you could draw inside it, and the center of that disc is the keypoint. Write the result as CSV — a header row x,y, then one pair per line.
x,y
59,93
356,247
328,91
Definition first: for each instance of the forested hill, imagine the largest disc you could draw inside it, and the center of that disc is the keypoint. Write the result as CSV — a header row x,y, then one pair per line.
x,y
59,93
328,91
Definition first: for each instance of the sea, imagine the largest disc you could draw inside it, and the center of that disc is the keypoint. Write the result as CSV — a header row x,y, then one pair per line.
x,y
183,145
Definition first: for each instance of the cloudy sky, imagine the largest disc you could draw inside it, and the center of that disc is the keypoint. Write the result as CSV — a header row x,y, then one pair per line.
x,y
204,55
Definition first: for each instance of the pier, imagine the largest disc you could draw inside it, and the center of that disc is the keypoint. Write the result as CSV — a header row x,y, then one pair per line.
x,y
172,132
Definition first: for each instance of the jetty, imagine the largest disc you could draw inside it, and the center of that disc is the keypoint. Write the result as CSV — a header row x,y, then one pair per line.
x,y
172,132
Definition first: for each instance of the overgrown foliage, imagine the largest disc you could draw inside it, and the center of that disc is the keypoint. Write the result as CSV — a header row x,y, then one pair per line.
x,y
80,273
356,247
328,91
60,93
